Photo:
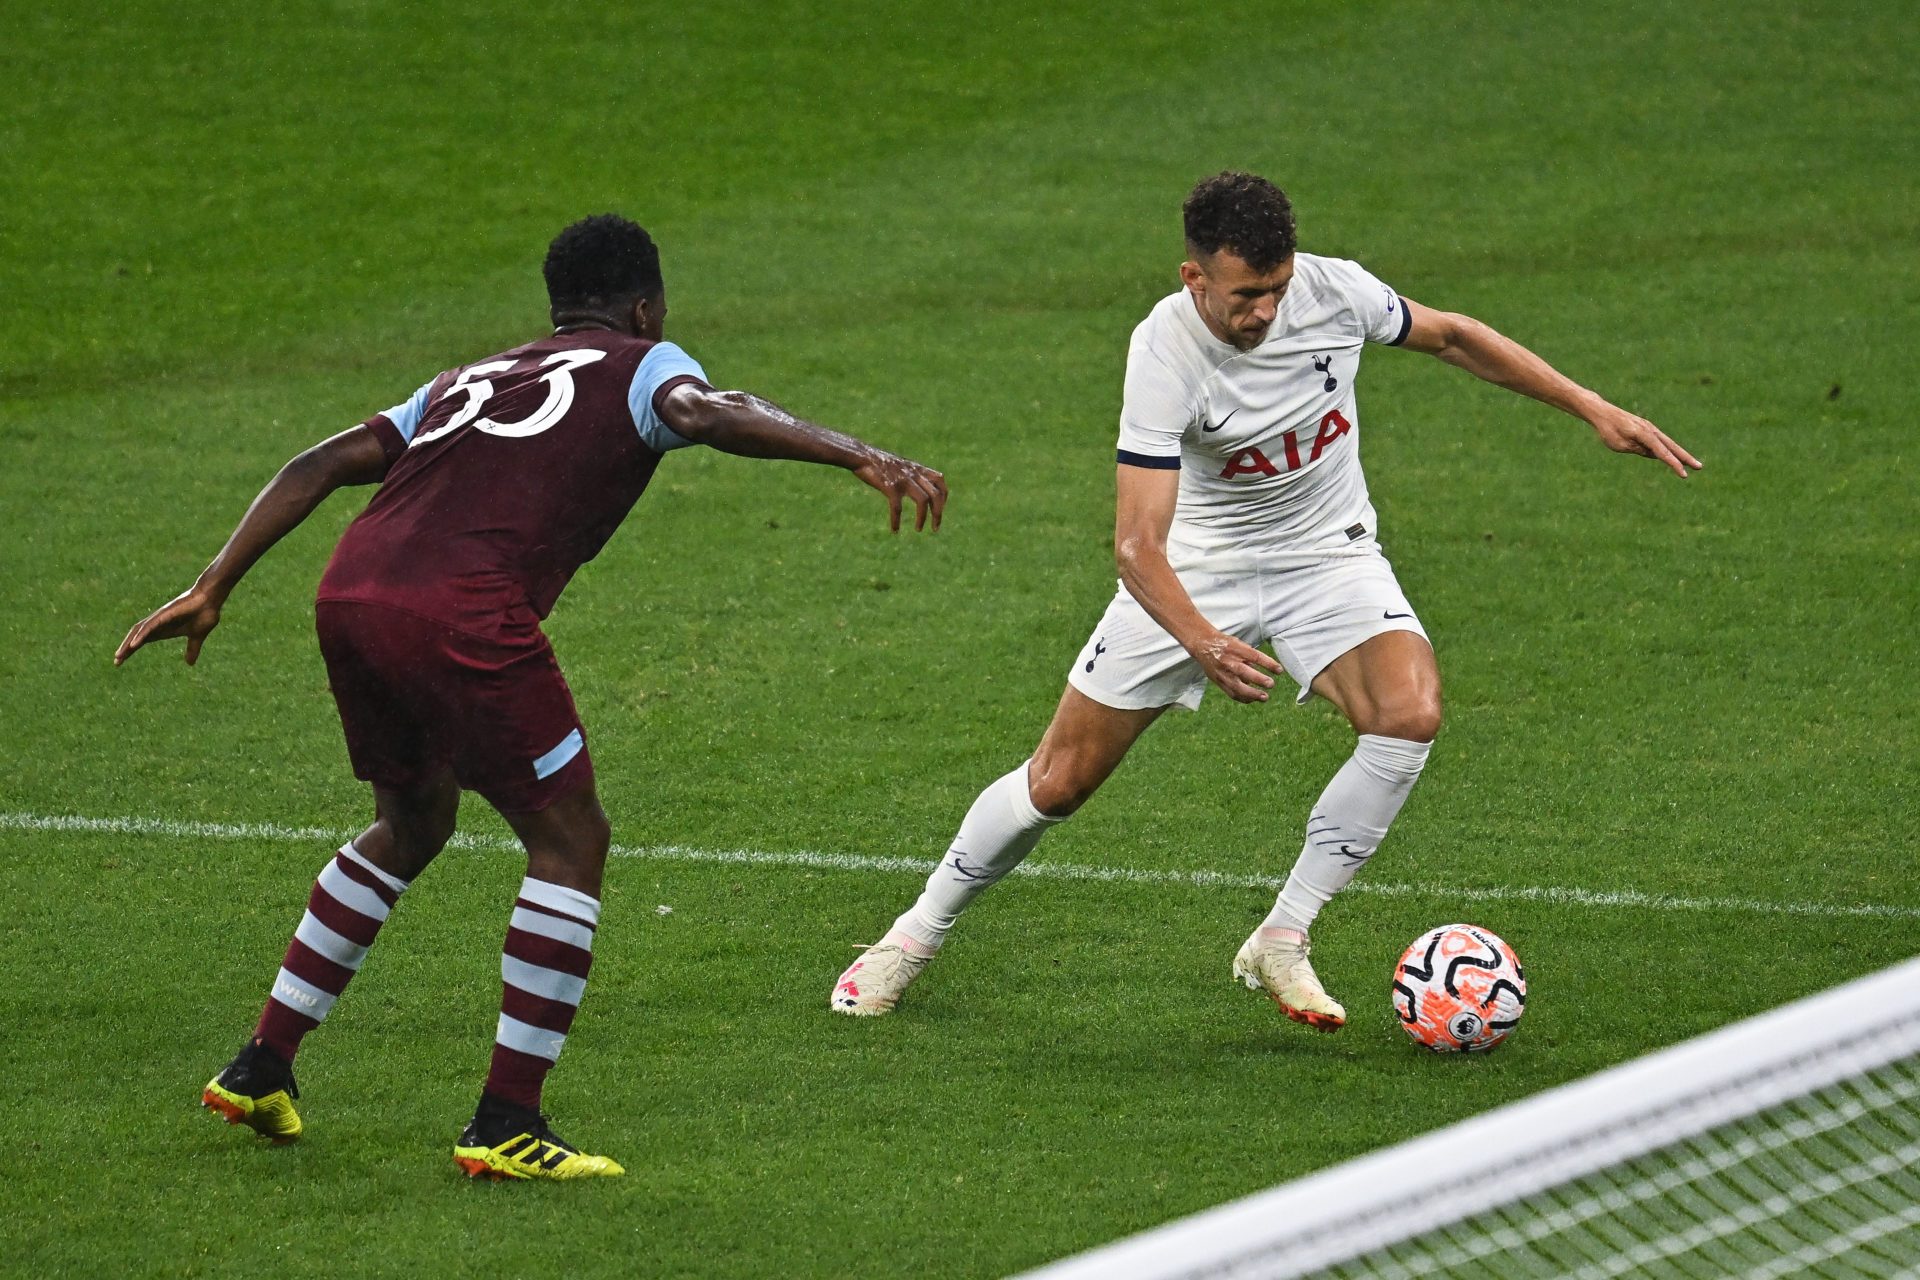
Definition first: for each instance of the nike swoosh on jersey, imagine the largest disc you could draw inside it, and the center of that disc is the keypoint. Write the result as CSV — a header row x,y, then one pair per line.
x,y
1388,613
1223,422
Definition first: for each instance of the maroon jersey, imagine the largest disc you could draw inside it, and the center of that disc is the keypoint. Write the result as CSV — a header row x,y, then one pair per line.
x,y
506,476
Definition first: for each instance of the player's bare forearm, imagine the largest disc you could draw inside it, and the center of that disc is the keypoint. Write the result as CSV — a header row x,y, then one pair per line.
x,y
1491,356
742,423
1148,578
739,422
350,458
1143,517
1144,503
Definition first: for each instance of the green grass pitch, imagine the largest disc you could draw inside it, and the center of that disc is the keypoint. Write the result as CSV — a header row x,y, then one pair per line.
x,y
230,230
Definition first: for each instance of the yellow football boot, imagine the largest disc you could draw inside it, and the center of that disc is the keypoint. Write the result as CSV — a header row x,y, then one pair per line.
x,y
256,1089
508,1141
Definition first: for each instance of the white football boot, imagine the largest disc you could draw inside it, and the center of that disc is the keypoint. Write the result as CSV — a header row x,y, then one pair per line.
x,y
872,984
1280,968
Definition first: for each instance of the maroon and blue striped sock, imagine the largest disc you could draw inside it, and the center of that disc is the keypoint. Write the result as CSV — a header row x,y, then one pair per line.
x,y
348,905
544,970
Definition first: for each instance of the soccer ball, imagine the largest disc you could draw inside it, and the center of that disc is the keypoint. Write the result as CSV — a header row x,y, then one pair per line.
x,y
1459,989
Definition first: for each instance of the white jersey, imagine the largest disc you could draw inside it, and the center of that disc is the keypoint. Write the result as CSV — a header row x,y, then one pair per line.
x,y
1267,441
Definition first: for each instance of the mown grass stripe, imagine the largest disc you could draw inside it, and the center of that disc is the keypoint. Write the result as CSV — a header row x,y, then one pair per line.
x,y
1043,870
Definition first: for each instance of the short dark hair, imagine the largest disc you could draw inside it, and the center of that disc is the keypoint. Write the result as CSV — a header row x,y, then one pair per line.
x,y
1244,213
602,262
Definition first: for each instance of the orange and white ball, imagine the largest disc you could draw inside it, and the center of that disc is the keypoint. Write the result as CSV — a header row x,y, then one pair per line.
x,y
1459,989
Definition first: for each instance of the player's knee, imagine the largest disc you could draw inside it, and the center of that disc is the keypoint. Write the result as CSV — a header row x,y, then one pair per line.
x,y
1061,788
598,835
588,833
418,837
412,826
1413,720
567,841
1061,802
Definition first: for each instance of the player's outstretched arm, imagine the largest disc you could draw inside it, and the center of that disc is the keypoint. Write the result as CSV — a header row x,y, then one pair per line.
x,y
742,423
1143,514
350,458
1468,344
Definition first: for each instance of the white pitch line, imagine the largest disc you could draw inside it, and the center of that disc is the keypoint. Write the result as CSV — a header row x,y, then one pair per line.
x,y
1041,870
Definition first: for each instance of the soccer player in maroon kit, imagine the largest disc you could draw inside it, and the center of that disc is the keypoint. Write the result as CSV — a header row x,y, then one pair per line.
x,y
497,481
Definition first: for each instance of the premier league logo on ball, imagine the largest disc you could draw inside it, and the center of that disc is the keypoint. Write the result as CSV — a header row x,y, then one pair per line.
x,y
1459,989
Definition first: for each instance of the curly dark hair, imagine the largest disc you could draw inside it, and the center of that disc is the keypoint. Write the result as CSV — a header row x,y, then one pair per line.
x,y
1244,213
602,262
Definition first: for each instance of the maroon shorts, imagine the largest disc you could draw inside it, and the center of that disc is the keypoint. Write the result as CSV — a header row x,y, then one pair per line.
x,y
416,696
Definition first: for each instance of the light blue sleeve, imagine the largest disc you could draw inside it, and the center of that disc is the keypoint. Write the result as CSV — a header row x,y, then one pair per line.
x,y
657,367
407,416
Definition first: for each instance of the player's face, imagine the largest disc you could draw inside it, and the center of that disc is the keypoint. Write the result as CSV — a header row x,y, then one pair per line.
x,y
1236,302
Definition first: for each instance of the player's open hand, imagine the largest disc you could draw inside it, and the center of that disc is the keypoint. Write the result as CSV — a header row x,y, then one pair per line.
x,y
1625,432
192,614
1237,667
902,479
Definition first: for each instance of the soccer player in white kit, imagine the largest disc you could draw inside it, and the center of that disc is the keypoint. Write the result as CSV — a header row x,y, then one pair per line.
x,y
1243,517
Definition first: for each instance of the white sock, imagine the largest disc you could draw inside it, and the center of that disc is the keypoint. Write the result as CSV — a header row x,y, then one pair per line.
x,y
999,830
1347,825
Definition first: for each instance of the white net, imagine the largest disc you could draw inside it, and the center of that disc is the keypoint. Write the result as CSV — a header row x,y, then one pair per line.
x,y
1786,1145
1825,1185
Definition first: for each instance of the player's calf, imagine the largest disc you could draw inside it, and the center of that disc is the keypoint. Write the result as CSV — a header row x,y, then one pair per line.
x,y
349,903
1347,825
1000,829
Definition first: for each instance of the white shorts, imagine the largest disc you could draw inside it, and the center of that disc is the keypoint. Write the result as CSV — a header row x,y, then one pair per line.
x,y
1311,613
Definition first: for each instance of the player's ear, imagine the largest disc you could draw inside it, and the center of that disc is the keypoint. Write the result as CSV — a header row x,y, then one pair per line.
x,y
1191,275
650,316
